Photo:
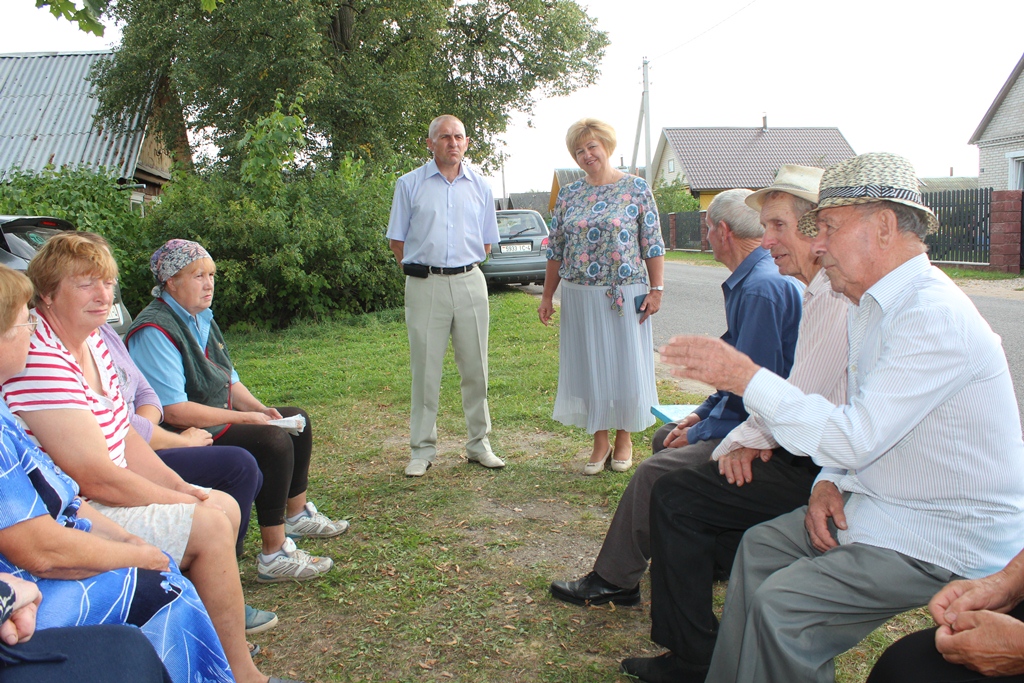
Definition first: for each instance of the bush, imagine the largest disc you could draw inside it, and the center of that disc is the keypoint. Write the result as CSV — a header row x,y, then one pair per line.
x,y
90,200
313,249
675,197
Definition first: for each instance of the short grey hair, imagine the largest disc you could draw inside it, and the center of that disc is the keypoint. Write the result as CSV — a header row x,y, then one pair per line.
x,y
908,219
799,205
729,206
436,123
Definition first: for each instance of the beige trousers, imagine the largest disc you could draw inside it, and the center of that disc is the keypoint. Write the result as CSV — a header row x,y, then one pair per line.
x,y
437,308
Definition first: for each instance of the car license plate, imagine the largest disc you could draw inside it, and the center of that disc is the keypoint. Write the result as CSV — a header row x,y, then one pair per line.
x,y
508,248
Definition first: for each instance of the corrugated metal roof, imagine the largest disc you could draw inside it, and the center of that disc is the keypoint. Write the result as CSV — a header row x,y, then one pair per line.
x,y
568,176
724,158
943,183
46,116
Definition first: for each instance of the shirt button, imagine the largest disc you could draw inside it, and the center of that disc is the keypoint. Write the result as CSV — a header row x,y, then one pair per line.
x,y
225,405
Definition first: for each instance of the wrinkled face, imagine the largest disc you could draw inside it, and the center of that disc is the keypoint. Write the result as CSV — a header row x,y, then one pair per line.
x,y
449,143
791,249
845,246
192,286
14,346
591,156
81,302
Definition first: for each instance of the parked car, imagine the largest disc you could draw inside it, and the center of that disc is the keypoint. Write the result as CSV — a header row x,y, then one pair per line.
x,y
22,237
519,258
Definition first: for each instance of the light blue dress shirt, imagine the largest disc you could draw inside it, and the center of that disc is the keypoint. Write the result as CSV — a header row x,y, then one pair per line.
x,y
160,361
443,224
929,442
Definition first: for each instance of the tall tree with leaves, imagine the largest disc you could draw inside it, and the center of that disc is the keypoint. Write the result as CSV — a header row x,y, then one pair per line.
x,y
373,72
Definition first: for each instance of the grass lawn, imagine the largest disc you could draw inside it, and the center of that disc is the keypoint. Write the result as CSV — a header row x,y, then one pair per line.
x,y
444,578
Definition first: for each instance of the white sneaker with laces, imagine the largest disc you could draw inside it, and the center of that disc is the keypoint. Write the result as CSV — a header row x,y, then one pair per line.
x,y
293,565
314,525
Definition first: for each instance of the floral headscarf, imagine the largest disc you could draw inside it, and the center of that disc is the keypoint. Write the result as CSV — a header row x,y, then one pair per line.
x,y
172,257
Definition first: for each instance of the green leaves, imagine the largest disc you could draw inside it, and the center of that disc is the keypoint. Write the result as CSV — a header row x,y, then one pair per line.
x,y
270,144
675,197
87,17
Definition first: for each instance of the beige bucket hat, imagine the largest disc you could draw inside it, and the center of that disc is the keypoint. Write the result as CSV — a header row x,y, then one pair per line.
x,y
872,177
799,181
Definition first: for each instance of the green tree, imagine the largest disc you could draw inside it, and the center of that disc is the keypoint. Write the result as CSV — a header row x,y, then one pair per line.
x,y
675,197
373,72
88,15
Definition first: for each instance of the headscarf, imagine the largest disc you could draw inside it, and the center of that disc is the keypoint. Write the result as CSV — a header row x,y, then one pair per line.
x,y
172,257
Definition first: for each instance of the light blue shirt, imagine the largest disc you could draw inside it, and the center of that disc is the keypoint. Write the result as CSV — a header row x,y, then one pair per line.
x,y
160,361
443,224
929,443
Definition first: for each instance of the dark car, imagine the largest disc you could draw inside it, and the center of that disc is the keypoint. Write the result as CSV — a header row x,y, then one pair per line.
x,y
23,235
519,258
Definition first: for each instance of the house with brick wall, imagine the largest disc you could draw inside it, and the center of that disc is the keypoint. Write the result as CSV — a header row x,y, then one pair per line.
x,y
1000,136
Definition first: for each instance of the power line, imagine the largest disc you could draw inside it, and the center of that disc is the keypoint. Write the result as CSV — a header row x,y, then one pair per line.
x,y
705,31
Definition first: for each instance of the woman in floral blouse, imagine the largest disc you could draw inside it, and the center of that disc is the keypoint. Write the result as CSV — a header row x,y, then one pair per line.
x,y
604,231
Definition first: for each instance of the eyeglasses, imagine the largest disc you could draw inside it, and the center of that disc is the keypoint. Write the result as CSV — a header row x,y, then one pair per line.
x,y
33,321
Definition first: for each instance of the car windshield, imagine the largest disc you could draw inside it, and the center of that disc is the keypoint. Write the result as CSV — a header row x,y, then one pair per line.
x,y
519,225
25,240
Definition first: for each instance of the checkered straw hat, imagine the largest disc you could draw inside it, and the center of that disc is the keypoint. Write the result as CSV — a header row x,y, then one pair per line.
x,y
873,177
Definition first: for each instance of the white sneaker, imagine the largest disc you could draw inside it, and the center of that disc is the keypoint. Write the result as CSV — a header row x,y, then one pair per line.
x,y
314,525
293,565
488,459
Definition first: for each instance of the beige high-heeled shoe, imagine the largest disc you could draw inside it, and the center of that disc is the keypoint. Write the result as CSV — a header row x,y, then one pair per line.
x,y
592,468
622,465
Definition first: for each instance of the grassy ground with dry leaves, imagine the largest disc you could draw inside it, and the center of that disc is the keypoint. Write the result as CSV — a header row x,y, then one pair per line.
x,y
444,578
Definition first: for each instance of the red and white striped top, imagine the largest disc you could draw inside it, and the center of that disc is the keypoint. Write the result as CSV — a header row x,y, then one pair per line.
x,y
53,380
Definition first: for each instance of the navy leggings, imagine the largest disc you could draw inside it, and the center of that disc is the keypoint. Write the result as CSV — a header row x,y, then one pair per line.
x,y
283,459
229,469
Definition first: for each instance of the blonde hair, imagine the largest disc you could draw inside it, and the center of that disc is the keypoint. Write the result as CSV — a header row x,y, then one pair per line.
x,y
15,292
67,255
585,129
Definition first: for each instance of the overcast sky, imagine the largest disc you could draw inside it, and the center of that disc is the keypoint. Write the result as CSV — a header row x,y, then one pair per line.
x,y
912,77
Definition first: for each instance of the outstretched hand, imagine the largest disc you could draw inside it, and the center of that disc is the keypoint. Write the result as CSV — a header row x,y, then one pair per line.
x,y
711,361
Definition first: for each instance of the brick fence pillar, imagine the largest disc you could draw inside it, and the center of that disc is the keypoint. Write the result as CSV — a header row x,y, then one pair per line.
x,y
704,245
672,231
1005,226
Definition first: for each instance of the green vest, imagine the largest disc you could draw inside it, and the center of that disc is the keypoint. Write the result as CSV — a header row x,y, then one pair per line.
x,y
207,371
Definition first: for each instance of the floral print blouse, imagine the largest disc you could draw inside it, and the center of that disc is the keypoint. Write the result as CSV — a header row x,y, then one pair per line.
x,y
601,234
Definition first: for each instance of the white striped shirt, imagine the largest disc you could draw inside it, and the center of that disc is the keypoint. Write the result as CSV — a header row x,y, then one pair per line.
x,y
53,380
819,363
930,439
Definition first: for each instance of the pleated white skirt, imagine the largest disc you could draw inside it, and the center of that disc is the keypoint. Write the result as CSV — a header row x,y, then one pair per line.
x,y
606,361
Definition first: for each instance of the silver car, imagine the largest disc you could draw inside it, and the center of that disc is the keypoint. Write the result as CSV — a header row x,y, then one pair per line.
x,y
22,237
519,258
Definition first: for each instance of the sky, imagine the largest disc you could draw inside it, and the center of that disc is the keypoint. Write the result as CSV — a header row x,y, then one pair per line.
x,y
913,77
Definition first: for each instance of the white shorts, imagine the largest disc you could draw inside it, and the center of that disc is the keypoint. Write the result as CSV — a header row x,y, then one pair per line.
x,y
168,527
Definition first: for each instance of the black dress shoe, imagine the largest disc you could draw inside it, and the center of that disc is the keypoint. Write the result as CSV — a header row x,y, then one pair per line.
x,y
666,668
593,590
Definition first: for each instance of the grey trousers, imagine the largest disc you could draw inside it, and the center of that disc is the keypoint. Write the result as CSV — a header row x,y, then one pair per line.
x,y
627,545
439,308
790,609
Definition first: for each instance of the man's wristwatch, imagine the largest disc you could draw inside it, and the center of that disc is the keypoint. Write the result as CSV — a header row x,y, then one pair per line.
x,y
659,288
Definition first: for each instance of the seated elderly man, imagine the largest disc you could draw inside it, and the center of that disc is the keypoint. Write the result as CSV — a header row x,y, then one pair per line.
x,y
697,518
923,466
762,310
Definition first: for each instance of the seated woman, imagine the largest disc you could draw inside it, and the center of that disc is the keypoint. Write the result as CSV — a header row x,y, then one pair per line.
x,y
86,654
91,570
181,351
69,401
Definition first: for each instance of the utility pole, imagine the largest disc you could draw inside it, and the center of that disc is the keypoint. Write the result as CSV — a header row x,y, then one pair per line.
x,y
643,123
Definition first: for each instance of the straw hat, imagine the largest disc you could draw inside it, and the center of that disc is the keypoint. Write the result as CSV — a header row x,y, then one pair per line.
x,y
873,177
799,181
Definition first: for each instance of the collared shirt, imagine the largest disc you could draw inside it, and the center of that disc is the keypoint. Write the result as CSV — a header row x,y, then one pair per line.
x,y
443,224
930,438
762,311
152,350
819,364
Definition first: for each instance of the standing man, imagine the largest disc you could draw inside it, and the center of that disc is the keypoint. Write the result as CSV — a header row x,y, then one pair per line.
x,y
922,477
442,225
762,310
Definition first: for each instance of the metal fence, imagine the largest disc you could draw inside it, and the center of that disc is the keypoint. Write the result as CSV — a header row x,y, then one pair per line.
x,y
687,230
964,228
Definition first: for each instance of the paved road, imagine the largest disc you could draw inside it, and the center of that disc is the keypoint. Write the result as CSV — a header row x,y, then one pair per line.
x,y
693,305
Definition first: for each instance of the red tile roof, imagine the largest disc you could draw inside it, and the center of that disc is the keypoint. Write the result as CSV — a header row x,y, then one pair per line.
x,y
724,158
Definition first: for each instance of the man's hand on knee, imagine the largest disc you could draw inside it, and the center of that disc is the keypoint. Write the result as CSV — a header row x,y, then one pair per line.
x,y
987,642
826,503
677,437
735,465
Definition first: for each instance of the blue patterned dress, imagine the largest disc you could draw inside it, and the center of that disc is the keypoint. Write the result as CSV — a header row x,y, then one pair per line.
x,y
164,605
602,236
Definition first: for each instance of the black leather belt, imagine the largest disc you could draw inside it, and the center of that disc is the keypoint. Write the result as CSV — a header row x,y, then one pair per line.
x,y
451,271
